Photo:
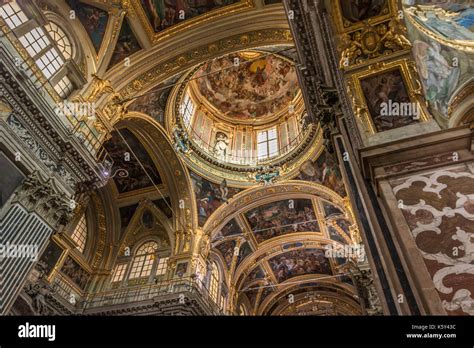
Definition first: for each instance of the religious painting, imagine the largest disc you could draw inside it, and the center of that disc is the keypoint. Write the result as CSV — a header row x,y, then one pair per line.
x,y
50,257
163,14
325,171
137,178
282,217
299,262
388,100
126,45
93,19
181,269
210,196
153,102
446,20
438,75
257,87
335,235
256,273
345,225
227,249
75,272
244,251
271,2
232,228
359,10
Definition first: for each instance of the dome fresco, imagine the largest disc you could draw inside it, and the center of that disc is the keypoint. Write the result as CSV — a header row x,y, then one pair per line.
x,y
257,87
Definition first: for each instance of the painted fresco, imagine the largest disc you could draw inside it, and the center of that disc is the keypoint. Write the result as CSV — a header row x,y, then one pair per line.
x,y
209,196
153,102
257,89
448,20
299,262
387,88
93,19
126,215
126,45
75,272
358,10
227,250
244,251
282,217
136,179
325,171
163,14
256,273
232,228
438,207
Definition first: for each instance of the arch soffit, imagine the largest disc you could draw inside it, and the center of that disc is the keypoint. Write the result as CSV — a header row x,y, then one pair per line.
x,y
173,171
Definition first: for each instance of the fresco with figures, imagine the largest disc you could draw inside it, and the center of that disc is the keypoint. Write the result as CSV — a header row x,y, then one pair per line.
x,y
163,14
325,171
257,87
299,262
93,19
282,217
358,10
126,45
438,207
210,196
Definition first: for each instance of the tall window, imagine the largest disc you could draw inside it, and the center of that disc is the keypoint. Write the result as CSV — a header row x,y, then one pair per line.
x,y
62,41
50,62
12,14
267,143
187,110
64,87
79,236
162,266
143,260
119,272
214,283
34,41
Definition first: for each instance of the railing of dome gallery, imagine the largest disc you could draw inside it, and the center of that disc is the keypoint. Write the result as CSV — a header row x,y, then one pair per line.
x,y
247,157
181,286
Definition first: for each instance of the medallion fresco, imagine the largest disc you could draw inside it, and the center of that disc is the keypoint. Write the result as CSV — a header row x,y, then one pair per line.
x,y
257,87
299,262
438,207
282,217
163,14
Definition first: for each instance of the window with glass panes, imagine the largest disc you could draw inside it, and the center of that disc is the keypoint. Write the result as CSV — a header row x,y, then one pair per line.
x,y
119,272
267,143
34,41
79,235
62,41
187,110
64,87
50,62
214,283
142,263
12,14
162,266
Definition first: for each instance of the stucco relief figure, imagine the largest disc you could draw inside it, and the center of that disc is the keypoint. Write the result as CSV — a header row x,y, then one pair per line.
x,y
220,146
439,77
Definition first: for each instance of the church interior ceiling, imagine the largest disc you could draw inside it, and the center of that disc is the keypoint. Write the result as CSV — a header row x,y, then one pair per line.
x,y
217,168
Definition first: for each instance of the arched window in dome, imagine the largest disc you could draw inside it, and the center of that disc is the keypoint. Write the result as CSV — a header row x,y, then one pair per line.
x,y
267,143
79,235
187,110
214,283
62,41
143,261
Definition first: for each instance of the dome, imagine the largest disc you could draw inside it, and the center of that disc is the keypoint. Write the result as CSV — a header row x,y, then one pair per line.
x,y
248,86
